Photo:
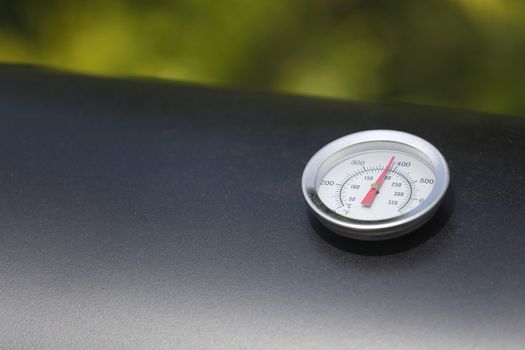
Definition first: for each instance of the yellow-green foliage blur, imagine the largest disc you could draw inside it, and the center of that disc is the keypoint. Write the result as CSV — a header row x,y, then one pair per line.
x,y
459,53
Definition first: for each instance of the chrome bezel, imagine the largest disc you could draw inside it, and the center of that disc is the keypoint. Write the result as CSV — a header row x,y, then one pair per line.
x,y
345,146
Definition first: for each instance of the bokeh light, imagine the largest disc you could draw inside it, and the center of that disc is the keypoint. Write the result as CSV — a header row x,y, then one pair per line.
x,y
455,53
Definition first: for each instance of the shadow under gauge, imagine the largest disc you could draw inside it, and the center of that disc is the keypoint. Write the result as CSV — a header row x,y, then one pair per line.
x,y
390,246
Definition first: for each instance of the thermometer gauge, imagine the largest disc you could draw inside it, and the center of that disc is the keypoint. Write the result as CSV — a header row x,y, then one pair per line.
x,y
376,184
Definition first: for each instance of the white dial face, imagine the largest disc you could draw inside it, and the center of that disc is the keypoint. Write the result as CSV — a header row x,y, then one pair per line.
x,y
376,185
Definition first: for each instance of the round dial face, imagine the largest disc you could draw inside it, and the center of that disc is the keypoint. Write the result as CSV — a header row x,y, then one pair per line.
x,y
376,185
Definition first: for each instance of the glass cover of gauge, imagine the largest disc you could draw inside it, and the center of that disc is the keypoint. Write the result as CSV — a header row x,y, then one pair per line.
x,y
375,184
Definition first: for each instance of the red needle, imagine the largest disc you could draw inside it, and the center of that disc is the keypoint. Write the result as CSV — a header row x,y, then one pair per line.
x,y
374,190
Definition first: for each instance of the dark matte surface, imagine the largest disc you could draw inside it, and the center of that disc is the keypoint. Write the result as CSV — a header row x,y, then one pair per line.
x,y
150,215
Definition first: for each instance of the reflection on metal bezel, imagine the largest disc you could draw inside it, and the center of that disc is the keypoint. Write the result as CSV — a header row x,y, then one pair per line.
x,y
341,148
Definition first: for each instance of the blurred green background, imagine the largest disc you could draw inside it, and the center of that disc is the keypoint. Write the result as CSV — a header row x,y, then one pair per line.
x,y
458,53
